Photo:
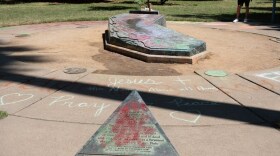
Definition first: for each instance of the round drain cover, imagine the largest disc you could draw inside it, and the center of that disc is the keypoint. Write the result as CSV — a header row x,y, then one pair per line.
x,y
74,70
216,73
82,26
22,35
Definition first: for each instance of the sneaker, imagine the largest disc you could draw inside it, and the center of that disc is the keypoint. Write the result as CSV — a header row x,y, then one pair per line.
x,y
245,20
236,20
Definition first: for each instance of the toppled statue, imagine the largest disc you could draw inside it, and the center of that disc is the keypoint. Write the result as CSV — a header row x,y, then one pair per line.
x,y
145,37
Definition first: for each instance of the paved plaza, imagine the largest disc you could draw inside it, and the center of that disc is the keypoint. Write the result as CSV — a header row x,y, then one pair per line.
x,y
55,113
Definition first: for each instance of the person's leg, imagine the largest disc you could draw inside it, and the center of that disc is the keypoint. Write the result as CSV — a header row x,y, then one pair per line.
x,y
247,10
238,11
239,5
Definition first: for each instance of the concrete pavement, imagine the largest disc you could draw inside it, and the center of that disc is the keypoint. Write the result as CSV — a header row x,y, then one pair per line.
x,y
54,113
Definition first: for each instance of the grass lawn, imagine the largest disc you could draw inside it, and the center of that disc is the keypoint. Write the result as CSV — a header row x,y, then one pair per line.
x,y
174,10
3,115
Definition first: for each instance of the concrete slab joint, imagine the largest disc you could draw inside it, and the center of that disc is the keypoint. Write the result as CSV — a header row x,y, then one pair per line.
x,y
145,37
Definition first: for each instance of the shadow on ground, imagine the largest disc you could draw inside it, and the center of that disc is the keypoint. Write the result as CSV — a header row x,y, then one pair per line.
x,y
54,2
111,8
7,59
213,109
267,1
262,18
255,19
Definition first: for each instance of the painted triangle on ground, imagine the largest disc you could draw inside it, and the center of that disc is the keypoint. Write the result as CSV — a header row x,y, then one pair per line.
x,y
130,130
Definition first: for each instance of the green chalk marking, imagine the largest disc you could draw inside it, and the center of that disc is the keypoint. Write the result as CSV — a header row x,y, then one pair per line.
x,y
216,73
3,115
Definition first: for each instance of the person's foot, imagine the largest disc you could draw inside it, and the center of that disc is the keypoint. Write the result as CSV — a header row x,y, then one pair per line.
x,y
245,20
235,21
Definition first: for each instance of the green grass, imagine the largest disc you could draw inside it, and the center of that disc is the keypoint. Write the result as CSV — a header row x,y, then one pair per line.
x,y
3,114
174,10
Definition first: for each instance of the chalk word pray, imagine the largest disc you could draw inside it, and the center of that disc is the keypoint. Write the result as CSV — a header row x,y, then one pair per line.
x,y
181,102
274,76
65,101
14,98
115,83
194,120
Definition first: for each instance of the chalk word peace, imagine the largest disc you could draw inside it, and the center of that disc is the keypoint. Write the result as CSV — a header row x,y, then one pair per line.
x,y
179,102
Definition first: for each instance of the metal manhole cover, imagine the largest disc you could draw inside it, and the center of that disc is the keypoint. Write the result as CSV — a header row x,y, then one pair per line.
x,y
82,26
74,70
22,35
216,73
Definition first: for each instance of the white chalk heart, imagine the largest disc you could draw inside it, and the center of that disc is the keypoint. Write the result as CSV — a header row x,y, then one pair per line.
x,y
14,98
194,120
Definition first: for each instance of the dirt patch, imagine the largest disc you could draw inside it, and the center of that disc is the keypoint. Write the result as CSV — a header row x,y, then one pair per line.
x,y
117,64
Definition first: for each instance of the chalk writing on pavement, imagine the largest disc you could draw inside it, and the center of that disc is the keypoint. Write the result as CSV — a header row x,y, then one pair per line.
x,y
274,76
14,98
66,101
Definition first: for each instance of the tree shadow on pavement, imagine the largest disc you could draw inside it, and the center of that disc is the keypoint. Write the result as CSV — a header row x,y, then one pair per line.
x,y
9,62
